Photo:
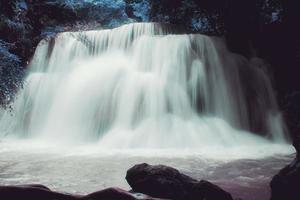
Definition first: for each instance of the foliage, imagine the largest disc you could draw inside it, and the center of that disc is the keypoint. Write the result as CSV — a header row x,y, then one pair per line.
x,y
11,73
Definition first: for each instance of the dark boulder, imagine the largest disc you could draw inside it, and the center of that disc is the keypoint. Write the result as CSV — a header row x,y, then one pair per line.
x,y
32,192
40,192
166,182
159,181
208,191
116,194
285,185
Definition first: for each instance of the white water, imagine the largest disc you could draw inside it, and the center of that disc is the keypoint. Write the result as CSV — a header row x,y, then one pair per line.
x,y
86,168
139,87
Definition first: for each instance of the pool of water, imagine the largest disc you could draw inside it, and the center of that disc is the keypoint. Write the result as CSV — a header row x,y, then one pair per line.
x,y
244,172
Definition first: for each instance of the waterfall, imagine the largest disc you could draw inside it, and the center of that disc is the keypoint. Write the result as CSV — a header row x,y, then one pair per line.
x,y
142,86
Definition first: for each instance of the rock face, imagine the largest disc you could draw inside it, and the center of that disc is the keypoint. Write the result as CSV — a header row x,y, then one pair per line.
x,y
166,182
285,184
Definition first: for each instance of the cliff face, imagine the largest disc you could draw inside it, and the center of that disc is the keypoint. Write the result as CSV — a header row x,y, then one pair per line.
x,y
254,28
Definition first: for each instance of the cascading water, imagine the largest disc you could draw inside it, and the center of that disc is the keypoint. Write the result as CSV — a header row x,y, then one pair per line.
x,y
140,93
140,86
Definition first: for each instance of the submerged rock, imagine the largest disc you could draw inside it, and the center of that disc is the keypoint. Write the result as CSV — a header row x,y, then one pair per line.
x,y
166,182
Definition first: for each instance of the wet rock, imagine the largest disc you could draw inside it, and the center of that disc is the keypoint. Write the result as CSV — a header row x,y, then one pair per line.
x,y
285,184
159,181
40,192
208,191
32,192
166,182
116,194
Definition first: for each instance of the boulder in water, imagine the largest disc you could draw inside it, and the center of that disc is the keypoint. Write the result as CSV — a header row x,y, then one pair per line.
x,y
208,191
166,182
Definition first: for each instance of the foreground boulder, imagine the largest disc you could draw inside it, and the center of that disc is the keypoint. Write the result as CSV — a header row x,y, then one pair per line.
x,y
286,184
116,194
40,192
32,192
166,182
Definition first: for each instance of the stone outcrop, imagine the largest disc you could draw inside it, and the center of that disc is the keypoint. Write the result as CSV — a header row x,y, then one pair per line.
x,y
285,184
167,182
